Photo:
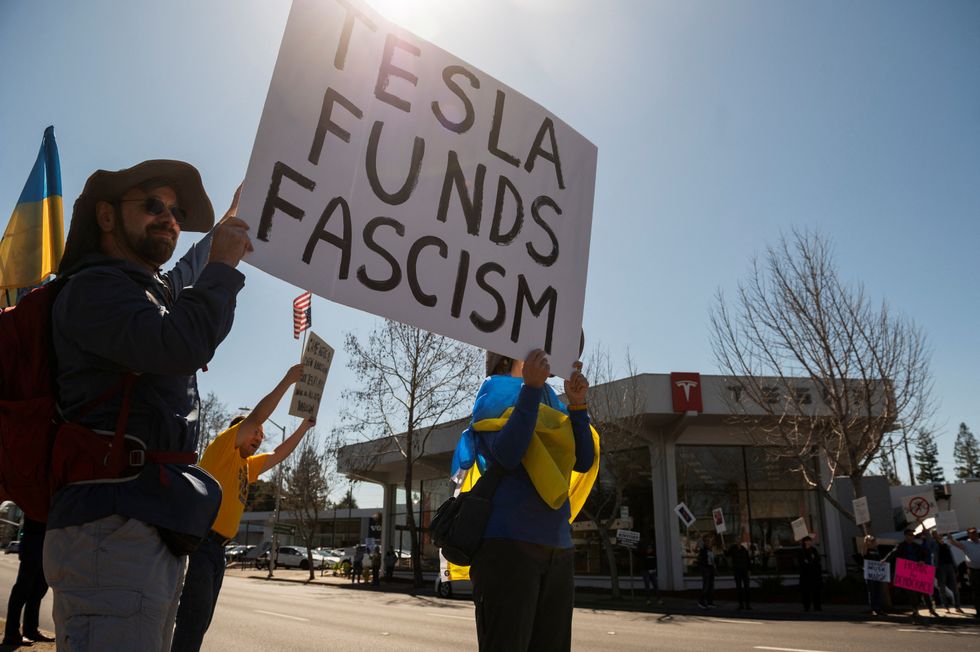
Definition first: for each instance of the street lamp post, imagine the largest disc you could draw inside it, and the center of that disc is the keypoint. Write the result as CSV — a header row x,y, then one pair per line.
x,y
275,523
274,553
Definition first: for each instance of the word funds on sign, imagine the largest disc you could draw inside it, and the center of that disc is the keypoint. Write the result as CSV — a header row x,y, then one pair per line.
x,y
393,177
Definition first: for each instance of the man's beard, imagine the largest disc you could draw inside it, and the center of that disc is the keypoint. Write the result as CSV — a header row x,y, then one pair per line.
x,y
152,248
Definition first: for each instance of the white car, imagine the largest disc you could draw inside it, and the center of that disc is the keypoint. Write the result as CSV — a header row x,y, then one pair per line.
x,y
329,555
292,557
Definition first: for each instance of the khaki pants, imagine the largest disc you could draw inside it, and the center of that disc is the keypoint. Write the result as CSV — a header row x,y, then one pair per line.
x,y
116,586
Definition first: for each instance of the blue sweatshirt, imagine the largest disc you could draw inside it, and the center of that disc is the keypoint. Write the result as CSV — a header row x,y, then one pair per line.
x,y
518,511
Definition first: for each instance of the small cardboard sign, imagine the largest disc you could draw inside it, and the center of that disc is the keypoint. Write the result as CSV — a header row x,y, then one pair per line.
x,y
718,516
687,518
947,522
799,529
862,514
309,390
914,576
877,571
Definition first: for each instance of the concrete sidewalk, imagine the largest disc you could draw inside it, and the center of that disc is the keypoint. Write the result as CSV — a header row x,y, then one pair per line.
x,y
673,604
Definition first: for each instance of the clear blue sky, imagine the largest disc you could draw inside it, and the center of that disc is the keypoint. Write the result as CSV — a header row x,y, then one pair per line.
x,y
719,124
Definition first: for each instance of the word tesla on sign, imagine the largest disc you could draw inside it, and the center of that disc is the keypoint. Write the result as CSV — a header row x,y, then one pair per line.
x,y
393,177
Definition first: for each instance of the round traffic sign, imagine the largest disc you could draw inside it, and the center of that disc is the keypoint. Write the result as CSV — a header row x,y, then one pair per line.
x,y
919,507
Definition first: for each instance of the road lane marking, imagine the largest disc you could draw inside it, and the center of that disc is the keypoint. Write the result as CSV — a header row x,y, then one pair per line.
x,y
736,621
784,649
433,613
273,613
940,631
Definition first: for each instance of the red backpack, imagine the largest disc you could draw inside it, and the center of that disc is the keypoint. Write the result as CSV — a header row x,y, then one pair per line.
x,y
39,451
28,416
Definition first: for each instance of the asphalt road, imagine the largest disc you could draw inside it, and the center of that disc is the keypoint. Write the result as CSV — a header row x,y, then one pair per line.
x,y
260,615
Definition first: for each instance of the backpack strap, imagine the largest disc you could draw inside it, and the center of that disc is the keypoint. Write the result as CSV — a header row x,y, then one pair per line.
x,y
118,456
486,486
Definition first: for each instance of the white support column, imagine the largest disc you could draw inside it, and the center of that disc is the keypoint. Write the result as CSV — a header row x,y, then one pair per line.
x,y
670,565
388,517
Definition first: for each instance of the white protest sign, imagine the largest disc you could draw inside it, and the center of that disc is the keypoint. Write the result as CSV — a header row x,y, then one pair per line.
x,y
719,518
393,177
947,522
919,506
877,571
309,390
628,538
799,529
862,514
685,514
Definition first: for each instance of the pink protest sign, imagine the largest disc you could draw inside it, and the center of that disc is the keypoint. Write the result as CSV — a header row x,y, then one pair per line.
x,y
913,576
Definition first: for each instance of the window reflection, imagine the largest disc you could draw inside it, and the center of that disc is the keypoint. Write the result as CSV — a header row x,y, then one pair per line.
x,y
759,497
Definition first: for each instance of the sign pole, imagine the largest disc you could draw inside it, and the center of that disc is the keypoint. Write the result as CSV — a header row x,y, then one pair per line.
x,y
632,577
274,553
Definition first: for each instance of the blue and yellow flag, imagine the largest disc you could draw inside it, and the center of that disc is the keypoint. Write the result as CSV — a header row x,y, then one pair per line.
x,y
34,240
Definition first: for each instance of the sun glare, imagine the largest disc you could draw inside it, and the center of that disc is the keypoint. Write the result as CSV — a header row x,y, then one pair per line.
x,y
426,18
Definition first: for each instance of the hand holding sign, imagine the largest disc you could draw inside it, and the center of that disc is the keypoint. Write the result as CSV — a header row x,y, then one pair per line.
x,y
536,369
295,373
577,387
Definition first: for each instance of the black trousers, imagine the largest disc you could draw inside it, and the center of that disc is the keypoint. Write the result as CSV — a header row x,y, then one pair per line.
x,y
810,585
30,586
742,586
708,585
202,584
524,595
974,575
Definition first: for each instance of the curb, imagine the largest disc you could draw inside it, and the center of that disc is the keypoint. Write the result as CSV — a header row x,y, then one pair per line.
x,y
679,606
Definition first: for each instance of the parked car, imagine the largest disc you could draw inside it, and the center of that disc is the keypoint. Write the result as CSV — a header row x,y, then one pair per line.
x,y
236,553
446,586
291,557
12,547
330,555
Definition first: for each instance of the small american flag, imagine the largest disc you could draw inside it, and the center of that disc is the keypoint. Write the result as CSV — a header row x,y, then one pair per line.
x,y
302,313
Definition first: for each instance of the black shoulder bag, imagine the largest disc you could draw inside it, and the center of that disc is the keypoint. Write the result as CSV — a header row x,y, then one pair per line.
x,y
460,522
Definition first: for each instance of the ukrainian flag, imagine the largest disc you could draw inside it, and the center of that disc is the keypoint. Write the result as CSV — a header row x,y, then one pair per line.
x,y
34,241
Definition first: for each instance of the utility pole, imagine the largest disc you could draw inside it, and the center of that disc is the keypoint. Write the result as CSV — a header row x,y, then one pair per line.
x,y
274,554
908,457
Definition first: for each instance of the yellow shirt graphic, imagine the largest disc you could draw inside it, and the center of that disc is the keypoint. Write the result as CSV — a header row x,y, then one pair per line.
x,y
234,473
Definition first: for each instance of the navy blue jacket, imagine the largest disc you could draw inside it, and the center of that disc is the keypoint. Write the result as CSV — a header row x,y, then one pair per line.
x,y
113,317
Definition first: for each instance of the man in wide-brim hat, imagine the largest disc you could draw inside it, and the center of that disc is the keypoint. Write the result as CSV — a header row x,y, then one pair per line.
x,y
127,334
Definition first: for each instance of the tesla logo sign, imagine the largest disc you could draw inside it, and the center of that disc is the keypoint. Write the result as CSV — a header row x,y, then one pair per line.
x,y
685,390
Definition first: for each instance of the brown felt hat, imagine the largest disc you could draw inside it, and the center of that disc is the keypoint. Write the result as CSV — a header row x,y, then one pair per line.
x,y
103,185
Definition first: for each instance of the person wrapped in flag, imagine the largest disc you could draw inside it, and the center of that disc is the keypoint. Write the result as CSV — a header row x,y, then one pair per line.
x,y
523,573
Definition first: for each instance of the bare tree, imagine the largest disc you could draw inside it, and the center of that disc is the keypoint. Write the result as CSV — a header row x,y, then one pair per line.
x,y
886,461
305,492
212,418
411,380
615,409
817,368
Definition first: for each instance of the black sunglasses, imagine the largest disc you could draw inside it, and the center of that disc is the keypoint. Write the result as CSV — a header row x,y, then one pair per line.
x,y
155,207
